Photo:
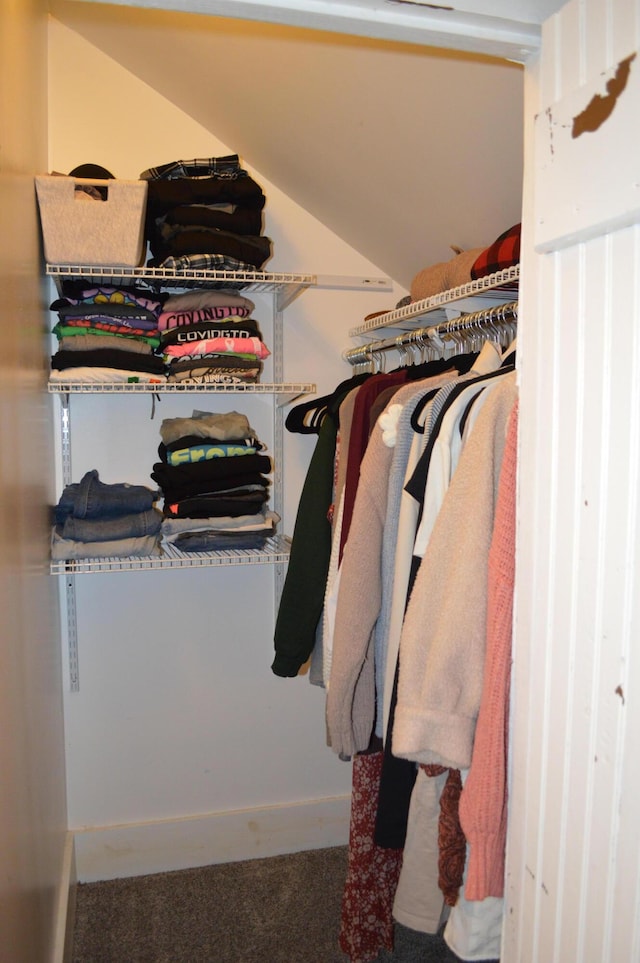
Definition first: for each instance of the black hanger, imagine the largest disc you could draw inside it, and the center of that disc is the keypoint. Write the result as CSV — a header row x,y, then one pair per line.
x,y
307,417
462,363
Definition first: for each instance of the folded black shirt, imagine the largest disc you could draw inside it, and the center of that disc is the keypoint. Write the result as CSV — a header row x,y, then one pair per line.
x,y
108,358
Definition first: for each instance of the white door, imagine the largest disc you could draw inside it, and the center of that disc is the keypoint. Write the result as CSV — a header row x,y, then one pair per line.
x,y
573,863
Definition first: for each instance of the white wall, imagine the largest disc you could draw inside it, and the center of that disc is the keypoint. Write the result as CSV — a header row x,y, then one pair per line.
x,y
32,780
574,836
179,717
373,138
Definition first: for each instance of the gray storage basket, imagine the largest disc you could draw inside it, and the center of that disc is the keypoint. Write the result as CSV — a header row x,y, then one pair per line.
x,y
79,229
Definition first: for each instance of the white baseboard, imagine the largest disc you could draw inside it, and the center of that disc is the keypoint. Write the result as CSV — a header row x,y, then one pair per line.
x,y
138,849
66,905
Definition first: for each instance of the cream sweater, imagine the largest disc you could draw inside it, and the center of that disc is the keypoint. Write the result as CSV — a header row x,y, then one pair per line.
x,y
443,641
351,690
351,694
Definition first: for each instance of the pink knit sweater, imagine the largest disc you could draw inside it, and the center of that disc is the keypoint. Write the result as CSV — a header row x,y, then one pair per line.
x,y
483,803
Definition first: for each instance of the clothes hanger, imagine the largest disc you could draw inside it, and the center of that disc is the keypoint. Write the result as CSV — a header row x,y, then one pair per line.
x,y
307,416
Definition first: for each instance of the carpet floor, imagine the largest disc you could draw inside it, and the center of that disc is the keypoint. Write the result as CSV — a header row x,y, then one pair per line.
x,y
284,909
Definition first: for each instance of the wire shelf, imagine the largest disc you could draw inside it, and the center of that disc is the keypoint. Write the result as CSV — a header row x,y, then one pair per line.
x,y
287,284
172,387
487,287
275,551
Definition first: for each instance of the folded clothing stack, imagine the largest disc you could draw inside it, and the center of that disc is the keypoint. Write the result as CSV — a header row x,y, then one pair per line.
x,y
212,476
205,215
209,337
106,334
97,520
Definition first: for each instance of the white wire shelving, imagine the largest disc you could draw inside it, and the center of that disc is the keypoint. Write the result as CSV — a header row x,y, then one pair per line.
x,y
284,391
285,286
491,290
274,551
284,289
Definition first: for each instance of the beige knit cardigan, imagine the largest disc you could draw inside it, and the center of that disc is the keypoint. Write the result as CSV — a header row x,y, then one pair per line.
x,y
443,641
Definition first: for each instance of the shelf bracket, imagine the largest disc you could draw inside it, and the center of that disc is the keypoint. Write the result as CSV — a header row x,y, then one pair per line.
x,y
65,438
69,582
72,633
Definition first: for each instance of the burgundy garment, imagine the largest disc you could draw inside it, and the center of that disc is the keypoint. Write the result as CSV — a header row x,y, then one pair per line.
x,y
366,925
452,844
359,438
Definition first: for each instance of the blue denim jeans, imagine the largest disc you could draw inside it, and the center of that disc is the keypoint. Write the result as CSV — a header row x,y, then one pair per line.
x,y
67,548
113,526
91,498
211,541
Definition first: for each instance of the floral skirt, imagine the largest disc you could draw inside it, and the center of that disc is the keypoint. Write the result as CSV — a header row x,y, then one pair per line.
x,y
372,873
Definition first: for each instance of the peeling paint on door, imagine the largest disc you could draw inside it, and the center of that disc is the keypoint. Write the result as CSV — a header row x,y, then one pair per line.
x,y
601,107
584,187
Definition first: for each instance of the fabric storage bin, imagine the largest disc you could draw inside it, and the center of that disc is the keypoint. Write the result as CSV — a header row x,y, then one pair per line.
x,y
93,222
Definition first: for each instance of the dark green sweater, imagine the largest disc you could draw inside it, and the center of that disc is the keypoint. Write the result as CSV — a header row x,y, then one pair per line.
x,y
302,598
304,586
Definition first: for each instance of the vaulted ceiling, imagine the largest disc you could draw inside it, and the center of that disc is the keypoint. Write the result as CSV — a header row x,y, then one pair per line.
x,y
399,148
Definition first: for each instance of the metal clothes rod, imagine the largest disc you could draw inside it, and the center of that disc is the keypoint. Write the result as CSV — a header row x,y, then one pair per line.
x,y
432,340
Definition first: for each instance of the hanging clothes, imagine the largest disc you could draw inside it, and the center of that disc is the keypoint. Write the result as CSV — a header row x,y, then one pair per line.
x,y
442,646
358,607
442,650
399,630
351,697
351,692
303,591
483,803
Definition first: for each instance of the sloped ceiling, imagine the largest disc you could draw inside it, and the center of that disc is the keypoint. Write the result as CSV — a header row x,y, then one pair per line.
x,y
504,28
400,149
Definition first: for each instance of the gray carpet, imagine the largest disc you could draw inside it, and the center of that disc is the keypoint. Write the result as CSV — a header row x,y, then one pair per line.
x,y
285,909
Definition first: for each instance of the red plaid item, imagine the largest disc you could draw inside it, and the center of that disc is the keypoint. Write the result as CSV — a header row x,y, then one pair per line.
x,y
503,253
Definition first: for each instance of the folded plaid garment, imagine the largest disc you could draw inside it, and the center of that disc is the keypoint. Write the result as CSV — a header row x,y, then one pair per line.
x,y
223,167
503,253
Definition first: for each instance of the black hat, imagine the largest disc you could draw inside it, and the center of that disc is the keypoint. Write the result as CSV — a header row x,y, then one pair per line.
x,y
91,172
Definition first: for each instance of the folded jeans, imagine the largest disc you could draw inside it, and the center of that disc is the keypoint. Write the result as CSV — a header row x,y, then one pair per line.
x,y
91,498
112,527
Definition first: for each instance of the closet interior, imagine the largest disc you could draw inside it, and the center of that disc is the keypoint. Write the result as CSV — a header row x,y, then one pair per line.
x,y
173,715
403,610
180,746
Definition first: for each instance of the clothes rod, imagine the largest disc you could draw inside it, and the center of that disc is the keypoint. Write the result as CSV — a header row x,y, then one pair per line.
x,y
436,334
